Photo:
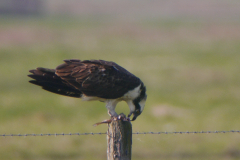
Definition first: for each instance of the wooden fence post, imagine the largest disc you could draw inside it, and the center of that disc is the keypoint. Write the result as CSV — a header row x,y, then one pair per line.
x,y
119,139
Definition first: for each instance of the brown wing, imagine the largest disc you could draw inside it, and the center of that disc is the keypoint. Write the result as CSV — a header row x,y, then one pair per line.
x,y
97,78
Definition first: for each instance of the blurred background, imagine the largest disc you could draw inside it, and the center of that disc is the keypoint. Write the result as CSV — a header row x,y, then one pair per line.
x,y
186,52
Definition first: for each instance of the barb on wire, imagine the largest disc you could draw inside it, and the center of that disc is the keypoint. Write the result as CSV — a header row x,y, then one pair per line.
x,y
103,133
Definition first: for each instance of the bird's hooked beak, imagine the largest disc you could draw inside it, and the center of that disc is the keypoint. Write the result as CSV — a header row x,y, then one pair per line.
x,y
136,114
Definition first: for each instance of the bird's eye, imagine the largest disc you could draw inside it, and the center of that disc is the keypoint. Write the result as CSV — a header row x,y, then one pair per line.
x,y
137,111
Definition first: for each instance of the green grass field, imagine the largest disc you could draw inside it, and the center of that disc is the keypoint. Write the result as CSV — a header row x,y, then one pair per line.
x,y
191,71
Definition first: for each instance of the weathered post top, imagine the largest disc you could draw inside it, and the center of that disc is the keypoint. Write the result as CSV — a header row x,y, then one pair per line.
x,y
119,139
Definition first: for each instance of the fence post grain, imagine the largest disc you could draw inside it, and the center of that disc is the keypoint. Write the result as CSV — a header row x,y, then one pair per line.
x,y
119,139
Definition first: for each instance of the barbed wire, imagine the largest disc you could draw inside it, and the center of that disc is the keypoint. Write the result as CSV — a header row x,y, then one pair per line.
x,y
104,133
188,132
51,134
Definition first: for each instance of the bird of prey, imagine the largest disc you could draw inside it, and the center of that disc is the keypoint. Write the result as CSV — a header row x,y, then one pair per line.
x,y
100,80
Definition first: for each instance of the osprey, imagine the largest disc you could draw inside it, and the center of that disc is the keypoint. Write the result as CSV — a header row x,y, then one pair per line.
x,y
100,80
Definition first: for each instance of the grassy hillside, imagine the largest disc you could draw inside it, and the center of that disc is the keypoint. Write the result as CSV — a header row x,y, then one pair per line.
x,y
191,71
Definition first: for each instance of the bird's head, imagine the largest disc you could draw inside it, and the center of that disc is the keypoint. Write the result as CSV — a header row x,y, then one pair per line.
x,y
139,102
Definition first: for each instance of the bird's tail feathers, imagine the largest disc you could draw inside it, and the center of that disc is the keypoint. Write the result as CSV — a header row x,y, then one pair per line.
x,y
48,80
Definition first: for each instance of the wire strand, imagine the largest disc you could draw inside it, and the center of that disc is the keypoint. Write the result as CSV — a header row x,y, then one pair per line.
x,y
104,133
